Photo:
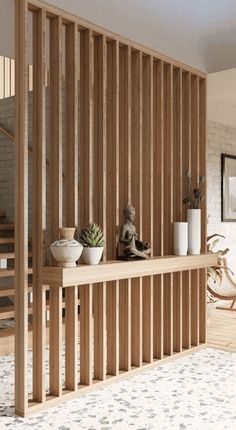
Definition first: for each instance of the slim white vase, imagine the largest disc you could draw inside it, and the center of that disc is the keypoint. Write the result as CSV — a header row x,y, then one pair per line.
x,y
194,231
180,238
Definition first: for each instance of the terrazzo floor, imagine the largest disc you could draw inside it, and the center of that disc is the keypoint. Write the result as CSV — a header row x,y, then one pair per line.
x,y
195,392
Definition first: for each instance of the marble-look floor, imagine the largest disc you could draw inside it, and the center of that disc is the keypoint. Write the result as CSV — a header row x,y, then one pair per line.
x,y
195,392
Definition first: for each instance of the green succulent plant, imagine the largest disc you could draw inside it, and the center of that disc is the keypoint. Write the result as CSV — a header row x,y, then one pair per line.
x,y
91,236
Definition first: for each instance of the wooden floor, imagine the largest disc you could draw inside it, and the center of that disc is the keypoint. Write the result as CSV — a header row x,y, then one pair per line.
x,y
221,330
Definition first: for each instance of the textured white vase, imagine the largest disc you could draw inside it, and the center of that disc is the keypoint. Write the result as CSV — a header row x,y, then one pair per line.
x,y
92,255
194,231
180,238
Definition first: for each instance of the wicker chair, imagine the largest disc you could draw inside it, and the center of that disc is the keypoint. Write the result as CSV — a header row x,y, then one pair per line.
x,y
224,290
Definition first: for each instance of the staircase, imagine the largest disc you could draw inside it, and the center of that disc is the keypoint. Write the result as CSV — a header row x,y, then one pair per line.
x,y
7,287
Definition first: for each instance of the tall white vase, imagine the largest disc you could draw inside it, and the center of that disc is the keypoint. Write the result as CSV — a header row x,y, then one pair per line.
x,y
194,231
180,238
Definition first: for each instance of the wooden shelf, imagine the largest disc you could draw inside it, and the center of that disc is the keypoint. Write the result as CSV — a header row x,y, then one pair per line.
x,y
116,270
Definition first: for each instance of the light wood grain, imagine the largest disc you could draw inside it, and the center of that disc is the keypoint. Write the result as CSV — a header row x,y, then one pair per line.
x,y
55,359
71,195
86,334
21,207
39,202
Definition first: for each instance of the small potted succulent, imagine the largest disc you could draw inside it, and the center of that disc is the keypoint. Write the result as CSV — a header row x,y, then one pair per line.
x,y
91,237
193,200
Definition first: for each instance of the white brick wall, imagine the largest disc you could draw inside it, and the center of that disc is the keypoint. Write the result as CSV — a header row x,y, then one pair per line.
x,y
221,139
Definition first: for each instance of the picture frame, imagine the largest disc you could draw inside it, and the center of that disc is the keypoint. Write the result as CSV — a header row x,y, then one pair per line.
x,y
228,188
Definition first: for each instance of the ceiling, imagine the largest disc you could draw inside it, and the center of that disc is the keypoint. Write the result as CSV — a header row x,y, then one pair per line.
x,y
200,33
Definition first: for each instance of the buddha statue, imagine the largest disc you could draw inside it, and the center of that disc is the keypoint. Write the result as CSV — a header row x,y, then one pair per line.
x,y
132,247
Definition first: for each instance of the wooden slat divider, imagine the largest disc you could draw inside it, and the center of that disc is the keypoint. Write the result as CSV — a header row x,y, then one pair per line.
x,y
71,196
147,200
186,156
134,122
203,170
86,334
86,192
168,206
112,197
55,125
195,172
21,207
136,199
177,202
158,204
99,196
39,202
124,197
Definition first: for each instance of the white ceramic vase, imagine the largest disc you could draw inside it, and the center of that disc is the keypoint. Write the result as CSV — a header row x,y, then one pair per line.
x,y
180,238
66,251
92,255
194,231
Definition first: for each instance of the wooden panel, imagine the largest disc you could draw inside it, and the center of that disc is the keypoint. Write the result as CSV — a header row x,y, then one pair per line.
x,y
86,129
177,201
99,310
158,205
186,309
21,207
147,200
112,196
136,199
99,196
124,197
195,172
168,205
71,196
186,157
86,335
56,196
55,341
202,168
39,202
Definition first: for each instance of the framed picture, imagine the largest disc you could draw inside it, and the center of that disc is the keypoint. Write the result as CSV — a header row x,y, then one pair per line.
x,y
228,188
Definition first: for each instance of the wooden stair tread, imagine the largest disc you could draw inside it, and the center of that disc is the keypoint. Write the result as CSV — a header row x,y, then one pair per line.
x,y
7,227
10,255
9,290
11,272
2,214
6,240
9,311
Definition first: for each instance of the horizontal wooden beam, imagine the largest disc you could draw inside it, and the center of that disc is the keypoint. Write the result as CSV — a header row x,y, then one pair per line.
x,y
116,270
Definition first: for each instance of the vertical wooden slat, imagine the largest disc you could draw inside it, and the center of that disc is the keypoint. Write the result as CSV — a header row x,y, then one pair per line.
x,y
56,196
158,204
99,196
136,199
39,202
168,205
186,156
124,197
86,128
147,201
86,193
177,201
195,175
21,207
112,196
86,334
71,196
203,170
